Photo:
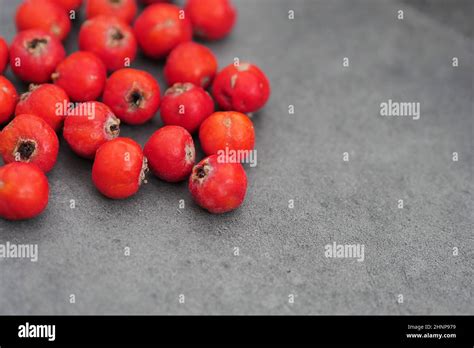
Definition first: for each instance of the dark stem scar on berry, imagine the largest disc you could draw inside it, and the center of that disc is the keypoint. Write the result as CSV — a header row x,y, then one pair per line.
x,y
190,153
143,172
37,45
115,37
135,99
112,127
201,172
25,149
115,2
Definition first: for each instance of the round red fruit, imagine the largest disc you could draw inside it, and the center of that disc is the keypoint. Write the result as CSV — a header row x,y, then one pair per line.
x,y
46,101
8,99
34,54
191,62
82,75
160,28
111,39
212,19
133,95
170,153
28,138
122,9
119,168
68,5
44,15
24,191
3,55
88,126
186,105
243,88
226,130
218,187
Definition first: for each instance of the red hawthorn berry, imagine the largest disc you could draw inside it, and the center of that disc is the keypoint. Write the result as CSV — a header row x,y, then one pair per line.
x,y
111,39
191,62
82,75
133,95
186,105
126,10
211,19
218,187
3,55
170,153
28,138
119,168
8,99
226,129
88,126
34,54
243,88
44,15
24,191
68,5
46,101
160,28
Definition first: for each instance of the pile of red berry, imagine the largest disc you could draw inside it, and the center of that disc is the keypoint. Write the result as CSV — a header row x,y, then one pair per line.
x,y
64,91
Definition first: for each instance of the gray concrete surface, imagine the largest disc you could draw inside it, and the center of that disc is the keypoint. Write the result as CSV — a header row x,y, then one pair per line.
x,y
408,251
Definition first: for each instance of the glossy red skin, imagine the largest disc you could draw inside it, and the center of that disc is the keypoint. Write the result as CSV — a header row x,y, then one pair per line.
x,y
117,168
8,99
3,55
119,88
96,35
30,127
82,75
223,187
194,103
68,5
191,62
159,29
85,133
35,65
243,88
211,19
126,10
24,191
44,101
226,129
171,154
44,15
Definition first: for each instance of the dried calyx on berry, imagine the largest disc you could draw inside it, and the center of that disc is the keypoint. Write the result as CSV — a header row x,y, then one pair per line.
x,y
179,88
201,171
112,126
37,45
136,99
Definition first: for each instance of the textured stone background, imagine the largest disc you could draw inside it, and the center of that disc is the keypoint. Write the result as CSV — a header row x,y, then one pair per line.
x,y
407,251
